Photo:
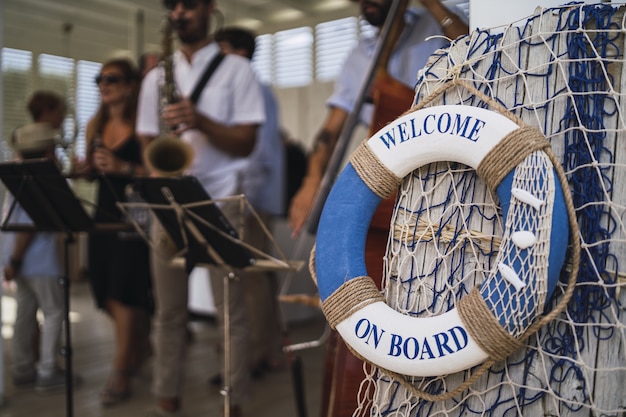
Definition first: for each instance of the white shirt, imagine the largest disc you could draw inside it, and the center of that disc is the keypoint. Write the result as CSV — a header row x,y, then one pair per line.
x,y
232,96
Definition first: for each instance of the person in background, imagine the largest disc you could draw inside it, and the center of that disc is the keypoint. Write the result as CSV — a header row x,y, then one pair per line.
x,y
119,266
410,54
264,187
49,108
33,261
421,33
221,127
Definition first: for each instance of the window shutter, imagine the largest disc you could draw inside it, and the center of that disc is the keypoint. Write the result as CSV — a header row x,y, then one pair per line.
x,y
17,87
262,59
87,100
333,41
294,57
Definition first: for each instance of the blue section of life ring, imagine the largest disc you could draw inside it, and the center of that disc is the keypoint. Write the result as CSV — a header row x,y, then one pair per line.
x,y
347,214
559,237
346,218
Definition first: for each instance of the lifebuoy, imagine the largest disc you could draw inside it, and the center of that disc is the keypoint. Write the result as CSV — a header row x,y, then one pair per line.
x,y
446,343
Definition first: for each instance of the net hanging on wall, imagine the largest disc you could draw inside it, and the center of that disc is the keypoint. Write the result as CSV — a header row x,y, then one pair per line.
x,y
563,72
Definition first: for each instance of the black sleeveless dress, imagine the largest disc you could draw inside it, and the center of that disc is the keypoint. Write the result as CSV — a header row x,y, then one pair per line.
x,y
119,263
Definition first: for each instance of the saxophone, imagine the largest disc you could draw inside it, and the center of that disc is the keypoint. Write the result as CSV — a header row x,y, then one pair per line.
x,y
167,155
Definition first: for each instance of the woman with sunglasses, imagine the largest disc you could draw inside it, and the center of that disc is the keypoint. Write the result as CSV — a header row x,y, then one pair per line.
x,y
119,268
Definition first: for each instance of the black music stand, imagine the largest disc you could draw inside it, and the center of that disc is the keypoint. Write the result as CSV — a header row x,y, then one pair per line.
x,y
39,187
199,229
179,203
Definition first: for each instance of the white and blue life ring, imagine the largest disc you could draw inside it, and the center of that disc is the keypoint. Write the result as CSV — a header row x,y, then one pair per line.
x,y
442,344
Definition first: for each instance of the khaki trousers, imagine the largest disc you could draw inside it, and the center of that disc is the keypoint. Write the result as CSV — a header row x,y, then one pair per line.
x,y
33,293
171,285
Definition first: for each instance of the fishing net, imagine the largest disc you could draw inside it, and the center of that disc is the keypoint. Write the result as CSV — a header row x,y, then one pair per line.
x,y
562,71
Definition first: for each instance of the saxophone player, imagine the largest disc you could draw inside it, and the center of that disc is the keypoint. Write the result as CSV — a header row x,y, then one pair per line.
x,y
221,129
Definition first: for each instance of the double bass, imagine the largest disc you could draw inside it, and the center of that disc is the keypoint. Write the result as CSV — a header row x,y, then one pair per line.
x,y
343,372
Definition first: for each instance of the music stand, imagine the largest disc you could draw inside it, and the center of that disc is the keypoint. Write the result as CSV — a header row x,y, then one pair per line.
x,y
199,229
39,187
174,201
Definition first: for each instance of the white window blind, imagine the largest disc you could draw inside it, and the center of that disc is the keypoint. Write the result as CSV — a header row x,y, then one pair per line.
x,y
333,41
74,81
262,59
17,87
87,100
56,73
294,57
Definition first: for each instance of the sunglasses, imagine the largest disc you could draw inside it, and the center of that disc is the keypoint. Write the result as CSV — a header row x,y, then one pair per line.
x,y
187,4
109,79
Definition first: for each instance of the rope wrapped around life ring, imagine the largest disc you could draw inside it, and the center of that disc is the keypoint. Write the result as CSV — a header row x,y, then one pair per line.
x,y
475,332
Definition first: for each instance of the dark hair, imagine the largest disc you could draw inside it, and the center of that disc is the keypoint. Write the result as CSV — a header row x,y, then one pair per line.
x,y
42,101
238,38
143,60
131,76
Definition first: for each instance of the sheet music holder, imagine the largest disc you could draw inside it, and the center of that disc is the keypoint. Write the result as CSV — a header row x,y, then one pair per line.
x,y
200,229
186,212
186,190
42,191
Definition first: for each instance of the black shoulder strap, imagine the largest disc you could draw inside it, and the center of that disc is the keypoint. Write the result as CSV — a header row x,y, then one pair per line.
x,y
205,77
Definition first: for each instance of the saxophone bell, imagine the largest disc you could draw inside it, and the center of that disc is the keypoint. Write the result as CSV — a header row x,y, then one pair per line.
x,y
168,156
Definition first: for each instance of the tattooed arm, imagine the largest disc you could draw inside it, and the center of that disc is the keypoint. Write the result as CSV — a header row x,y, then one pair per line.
x,y
324,144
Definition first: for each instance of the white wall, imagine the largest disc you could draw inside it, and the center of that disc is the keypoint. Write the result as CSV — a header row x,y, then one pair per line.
x,y
302,109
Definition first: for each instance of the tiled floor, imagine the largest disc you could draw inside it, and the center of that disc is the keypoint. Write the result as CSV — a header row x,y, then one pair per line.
x,y
93,347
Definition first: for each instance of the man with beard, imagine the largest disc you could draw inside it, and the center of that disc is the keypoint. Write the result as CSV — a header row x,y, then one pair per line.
x,y
343,373
221,128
